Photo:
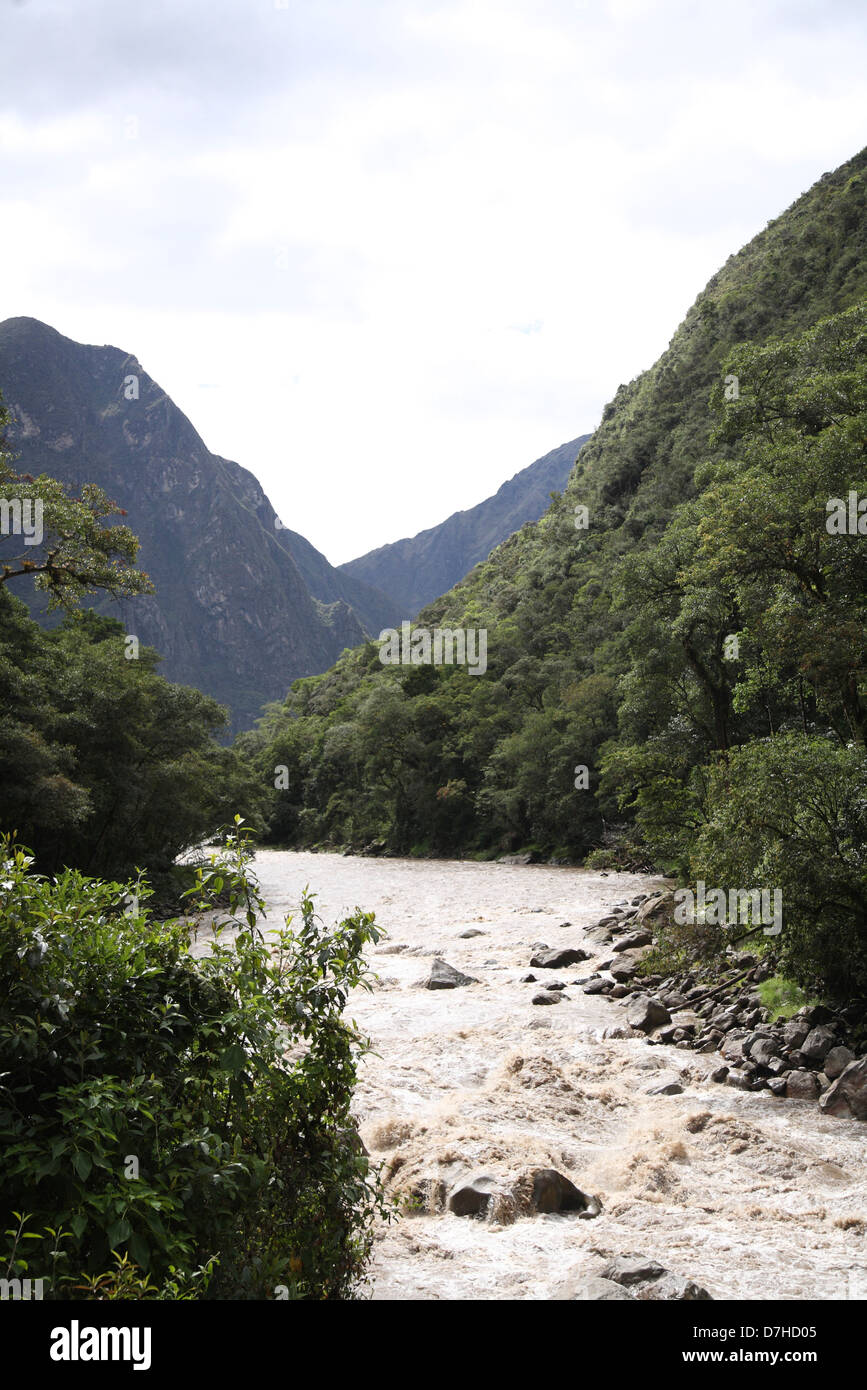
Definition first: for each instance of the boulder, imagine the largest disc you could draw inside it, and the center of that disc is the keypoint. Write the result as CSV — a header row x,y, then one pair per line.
x,y
623,967
818,1043
553,1192
558,957
597,986
777,1085
836,1062
471,931
795,1032
546,997
444,976
473,1196
846,1098
667,1085
802,1085
763,1051
632,1269
646,1013
657,907
631,940
555,985
528,979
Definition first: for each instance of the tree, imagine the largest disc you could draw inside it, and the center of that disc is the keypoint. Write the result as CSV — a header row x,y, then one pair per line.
x,y
72,553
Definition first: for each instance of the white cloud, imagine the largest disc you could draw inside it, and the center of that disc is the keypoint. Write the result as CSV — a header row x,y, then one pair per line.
x,y
333,225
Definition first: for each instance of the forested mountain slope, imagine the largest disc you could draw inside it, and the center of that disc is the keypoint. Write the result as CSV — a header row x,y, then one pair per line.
x,y
241,607
590,657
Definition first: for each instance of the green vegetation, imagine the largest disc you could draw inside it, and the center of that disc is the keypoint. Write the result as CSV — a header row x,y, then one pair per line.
x,y
706,485
175,1126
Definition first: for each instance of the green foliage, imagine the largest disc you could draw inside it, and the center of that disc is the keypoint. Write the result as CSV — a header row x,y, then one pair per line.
x,y
78,555
186,1115
781,998
790,812
104,764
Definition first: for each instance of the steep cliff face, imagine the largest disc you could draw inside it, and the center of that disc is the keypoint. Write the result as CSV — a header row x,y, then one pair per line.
x,y
420,568
234,613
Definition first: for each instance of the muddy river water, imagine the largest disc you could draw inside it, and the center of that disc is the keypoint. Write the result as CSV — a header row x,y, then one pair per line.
x,y
750,1196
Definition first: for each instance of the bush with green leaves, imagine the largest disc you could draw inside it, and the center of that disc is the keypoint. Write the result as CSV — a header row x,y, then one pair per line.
x,y
791,813
180,1112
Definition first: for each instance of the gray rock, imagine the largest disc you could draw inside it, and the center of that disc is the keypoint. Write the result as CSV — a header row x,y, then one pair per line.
x,y
795,1032
777,1085
546,997
836,1062
646,1013
554,1192
664,1086
631,940
624,966
846,1098
528,979
658,907
559,957
472,1197
444,976
818,1043
556,985
632,1269
802,1085
597,986
471,931
763,1051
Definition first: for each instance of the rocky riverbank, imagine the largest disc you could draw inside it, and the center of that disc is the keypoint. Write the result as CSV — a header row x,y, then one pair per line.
x,y
804,1057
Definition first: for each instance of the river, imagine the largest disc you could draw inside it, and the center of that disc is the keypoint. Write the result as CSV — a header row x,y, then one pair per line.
x,y
750,1196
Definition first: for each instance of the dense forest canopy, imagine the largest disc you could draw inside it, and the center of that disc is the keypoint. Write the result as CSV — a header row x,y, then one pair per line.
x,y
703,618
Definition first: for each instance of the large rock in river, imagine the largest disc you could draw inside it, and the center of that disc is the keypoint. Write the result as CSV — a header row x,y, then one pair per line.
x,y
846,1099
557,957
444,976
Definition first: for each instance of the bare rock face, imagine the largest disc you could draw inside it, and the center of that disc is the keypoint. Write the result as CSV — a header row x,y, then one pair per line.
x,y
847,1098
243,605
444,976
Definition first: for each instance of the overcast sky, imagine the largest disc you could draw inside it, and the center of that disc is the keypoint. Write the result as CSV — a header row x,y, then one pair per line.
x,y
384,253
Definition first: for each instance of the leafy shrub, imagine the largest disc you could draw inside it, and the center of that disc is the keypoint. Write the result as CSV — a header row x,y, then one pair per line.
x,y
180,1113
791,813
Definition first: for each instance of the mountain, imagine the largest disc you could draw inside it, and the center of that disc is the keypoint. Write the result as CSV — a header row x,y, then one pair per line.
x,y
415,570
607,693
242,607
